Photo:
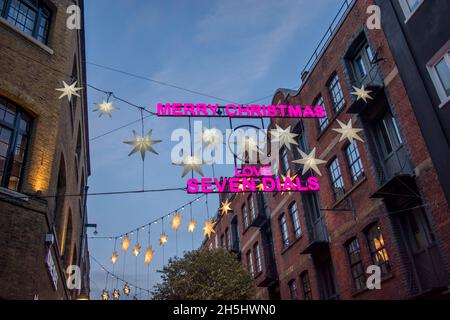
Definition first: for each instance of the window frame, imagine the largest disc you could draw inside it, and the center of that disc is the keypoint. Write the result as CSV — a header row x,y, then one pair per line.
x,y
407,11
252,209
258,259
325,121
295,220
351,163
284,160
245,216
284,230
306,285
16,131
250,266
442,54
374,252
40,14
334,83
359,280
334,180
293,289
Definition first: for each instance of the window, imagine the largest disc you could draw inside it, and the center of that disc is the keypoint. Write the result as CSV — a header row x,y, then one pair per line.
x,y
30,16
222,241
245,216
388,134
258,258
409,7
252,208
284,231
354,161
228,239
14,134
293,289
440,74
323,122
295,220
250,263
336,94
336,178
284,160
362,62
307,293
356,266
377,249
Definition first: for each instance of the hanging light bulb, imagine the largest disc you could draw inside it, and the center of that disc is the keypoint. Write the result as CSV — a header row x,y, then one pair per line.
x,y
114,257
116,294
149,255
163,239
136,250
125,243
126,289
105,295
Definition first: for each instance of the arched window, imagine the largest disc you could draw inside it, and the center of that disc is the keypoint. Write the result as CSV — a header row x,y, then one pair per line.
x,y
30,16
15,127
67,244
60,198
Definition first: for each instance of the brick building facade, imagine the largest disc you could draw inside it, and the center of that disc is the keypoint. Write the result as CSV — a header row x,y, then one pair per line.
x,y
44,152
380,203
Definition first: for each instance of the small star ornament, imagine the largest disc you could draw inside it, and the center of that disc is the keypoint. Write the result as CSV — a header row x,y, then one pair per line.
x,y
212,137
284,136
176,221
114,257
208,229
348,132
69,91
226,207
148,258
309,161
105,108
192,225
116,294
125,243
142,144
105,295
290,180
126,289
136,250
362,94
163,239
192,163
247,145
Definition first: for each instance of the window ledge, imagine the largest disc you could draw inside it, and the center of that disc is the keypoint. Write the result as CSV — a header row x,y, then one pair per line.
x,y
384,278
445,103
44,47
14,194
287,248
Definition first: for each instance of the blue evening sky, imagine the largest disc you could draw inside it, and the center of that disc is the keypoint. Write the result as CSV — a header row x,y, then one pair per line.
x,y
239,50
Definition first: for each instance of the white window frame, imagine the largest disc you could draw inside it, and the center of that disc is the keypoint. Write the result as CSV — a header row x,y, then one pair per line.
x,y
407,11
443,53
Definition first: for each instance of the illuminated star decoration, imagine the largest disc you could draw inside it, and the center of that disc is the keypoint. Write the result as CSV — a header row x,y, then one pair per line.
x,y
226,207
163,239
142,144
348,132
247,145
176,221
105,295
106,107
136,250
114,257
149,255
116,294
69,91
192,225
309,161
192,163
125,243
126,289
284,136
362,94
291,178
208,229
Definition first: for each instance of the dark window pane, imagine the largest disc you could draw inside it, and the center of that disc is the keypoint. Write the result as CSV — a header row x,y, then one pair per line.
x,y
323,122
354,161
336,178
379,253
336,94
443,71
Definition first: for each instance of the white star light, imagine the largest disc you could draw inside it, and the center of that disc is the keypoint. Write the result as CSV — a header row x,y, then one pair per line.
x,y
247,145
284,136
212,137
192,163
309,161
348,132
362,94
142,144
106,107
69,91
